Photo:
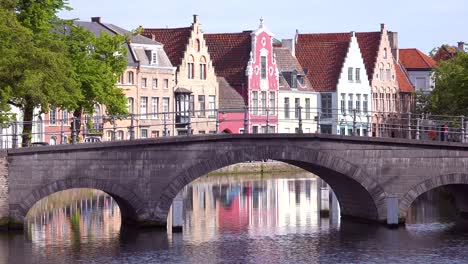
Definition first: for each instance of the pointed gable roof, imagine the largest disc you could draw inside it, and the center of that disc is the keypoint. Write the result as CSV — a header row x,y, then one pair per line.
x,y
415,59
230,53
402,78
322,56
369,44
175,41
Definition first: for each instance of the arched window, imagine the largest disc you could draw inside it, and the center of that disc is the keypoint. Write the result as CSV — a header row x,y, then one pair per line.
x,y
130,77
197,45
53,141
120,135
130,104
385,53
202,68
109,135
190,67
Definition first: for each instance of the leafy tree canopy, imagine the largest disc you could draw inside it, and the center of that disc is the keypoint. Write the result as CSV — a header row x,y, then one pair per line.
x,y
450,96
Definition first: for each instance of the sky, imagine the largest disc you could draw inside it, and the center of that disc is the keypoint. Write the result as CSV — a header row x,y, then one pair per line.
x,y
422,24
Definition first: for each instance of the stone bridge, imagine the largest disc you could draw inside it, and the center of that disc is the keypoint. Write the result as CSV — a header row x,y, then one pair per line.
x,y
144,176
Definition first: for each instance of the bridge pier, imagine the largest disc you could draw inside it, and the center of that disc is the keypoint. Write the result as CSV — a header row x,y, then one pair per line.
x,y
4,188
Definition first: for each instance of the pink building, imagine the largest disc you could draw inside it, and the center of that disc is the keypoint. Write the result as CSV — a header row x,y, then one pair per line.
x,y
244,62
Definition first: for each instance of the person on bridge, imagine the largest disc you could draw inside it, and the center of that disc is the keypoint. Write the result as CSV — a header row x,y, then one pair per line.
x,y
446,132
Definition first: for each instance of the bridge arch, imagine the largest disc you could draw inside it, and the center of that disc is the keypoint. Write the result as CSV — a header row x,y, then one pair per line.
x,y
131,207
359,194
427,185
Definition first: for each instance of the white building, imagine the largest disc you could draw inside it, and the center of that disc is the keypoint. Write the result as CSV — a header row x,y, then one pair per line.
x,y
296,95
419,67
336,69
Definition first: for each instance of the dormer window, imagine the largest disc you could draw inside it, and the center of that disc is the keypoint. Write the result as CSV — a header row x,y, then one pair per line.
x,y
154,57
300,79
293,80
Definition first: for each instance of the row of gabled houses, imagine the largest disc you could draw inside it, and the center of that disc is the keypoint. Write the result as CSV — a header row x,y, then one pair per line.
x,y
181,80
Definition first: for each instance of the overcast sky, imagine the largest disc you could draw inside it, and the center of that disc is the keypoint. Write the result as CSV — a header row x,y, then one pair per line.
x,y
422,24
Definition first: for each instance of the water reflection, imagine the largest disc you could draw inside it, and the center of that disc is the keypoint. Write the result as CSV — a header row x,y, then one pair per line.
x,y
233,219
74,219
256,206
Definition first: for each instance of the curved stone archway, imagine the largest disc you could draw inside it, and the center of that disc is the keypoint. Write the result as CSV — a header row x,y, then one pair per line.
x,y
131,207
427,185
359,194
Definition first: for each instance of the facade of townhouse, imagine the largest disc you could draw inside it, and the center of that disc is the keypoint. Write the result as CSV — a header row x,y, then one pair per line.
x,y
196,92
246,61
148,83
336,69
296,96
420,69
379,60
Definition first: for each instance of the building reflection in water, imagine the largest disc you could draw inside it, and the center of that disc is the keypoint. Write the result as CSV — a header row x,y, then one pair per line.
x,y
73,217
253,205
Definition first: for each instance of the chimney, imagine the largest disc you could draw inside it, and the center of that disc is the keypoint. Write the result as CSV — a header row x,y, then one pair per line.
x,y
393,38
153,37
96,19
461,46
288,43
195,19
382,26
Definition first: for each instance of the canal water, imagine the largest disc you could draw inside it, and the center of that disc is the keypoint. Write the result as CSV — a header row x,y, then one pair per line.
x,y
235,219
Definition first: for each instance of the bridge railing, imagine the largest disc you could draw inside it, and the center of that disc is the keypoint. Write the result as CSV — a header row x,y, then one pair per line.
x,y
295,119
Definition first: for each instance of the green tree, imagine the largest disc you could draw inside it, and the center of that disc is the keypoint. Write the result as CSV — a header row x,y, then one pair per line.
x,y
37,71
97,62
450,95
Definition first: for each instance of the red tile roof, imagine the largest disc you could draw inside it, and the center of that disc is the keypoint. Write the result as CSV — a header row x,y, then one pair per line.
x,y
415,59
230,53
322,56
402,78
445,52
175,41
369,43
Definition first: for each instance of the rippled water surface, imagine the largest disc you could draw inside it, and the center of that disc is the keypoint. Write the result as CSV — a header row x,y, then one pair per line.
x,y
234,219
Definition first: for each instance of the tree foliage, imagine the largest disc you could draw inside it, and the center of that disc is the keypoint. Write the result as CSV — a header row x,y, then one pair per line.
x,y
97,62
450,96
46,61
37,71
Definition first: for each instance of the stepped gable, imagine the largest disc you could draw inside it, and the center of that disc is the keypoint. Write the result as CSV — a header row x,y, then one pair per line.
x,y
369,44
175,41
230,53
415,59
402,78
322,56
286,62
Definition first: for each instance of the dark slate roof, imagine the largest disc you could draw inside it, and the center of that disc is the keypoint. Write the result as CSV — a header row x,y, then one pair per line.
x,y
97,29
175,41
287,64
229,98
322,55
415,59
139,39
230,53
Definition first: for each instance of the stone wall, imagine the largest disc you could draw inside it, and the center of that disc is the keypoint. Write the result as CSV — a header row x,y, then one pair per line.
x,y
4,201
259,167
